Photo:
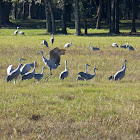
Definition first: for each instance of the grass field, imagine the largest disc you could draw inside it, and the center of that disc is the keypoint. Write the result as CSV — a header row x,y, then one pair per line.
x,y
70,109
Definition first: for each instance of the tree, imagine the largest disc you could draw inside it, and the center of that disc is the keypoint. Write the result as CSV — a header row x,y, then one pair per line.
x,y
99,13
48,18
77,18
114,16
52,16
134,2
63,17
4,12
85,12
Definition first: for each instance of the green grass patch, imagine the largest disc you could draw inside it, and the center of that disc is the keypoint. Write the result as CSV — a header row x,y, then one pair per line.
x,y
70,109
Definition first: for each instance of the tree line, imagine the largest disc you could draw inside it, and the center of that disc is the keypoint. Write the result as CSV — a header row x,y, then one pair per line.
x,y
81,11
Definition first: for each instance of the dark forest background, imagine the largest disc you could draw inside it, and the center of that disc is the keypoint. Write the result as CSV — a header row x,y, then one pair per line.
x,y
79,12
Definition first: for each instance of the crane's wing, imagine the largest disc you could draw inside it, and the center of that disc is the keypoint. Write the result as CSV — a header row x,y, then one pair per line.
x,y
55,55
10,69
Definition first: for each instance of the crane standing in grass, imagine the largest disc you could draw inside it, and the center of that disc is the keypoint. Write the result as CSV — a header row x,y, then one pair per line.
x,y
45,43
16,32
22,33
15,73
29,75
94,48
52,39
54,61
39,76
26,68
79,77
120,74
64,73
10,67
68,45
88,76
114,45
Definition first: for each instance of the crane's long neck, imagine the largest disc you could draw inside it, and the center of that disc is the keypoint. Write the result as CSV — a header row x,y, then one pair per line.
x,y
86,68
34,68
124,65
43,71
66,66
44,59
90,45
94,71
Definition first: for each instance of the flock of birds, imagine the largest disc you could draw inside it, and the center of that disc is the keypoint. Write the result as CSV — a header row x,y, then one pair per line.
x,y
125,46
54,61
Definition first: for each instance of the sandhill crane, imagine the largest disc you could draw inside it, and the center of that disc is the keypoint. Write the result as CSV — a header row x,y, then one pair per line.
x,y
64,73
39,76
93,48
10,67
88,76
52,39
79,77
29,75
45,43
54,60
15,73
22,33
123,46
16,32
120,74
114,45
129,47
26,68
68,45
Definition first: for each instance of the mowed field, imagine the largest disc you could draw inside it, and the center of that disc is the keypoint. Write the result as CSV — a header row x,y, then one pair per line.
x,y
70,109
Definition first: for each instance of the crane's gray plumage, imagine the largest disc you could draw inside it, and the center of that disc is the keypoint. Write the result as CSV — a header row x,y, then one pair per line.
x,y
93,48
15,73
129,47
120,74
52,39
123,46
22,33
68,45
26,68
79,77
64,73
29,75
114,45
54,61
45,43
39,76
10,69
88,76
16,32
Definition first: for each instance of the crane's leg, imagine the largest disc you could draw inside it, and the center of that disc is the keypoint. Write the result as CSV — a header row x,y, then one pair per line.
x,y
48,76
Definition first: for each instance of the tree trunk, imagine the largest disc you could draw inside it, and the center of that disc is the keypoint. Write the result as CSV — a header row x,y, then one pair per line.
x,y
77,18
4,12
134,2
48,18
64,18
113,16
14,12
117,17
99,14
24,11
52,16
29,16
85,25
